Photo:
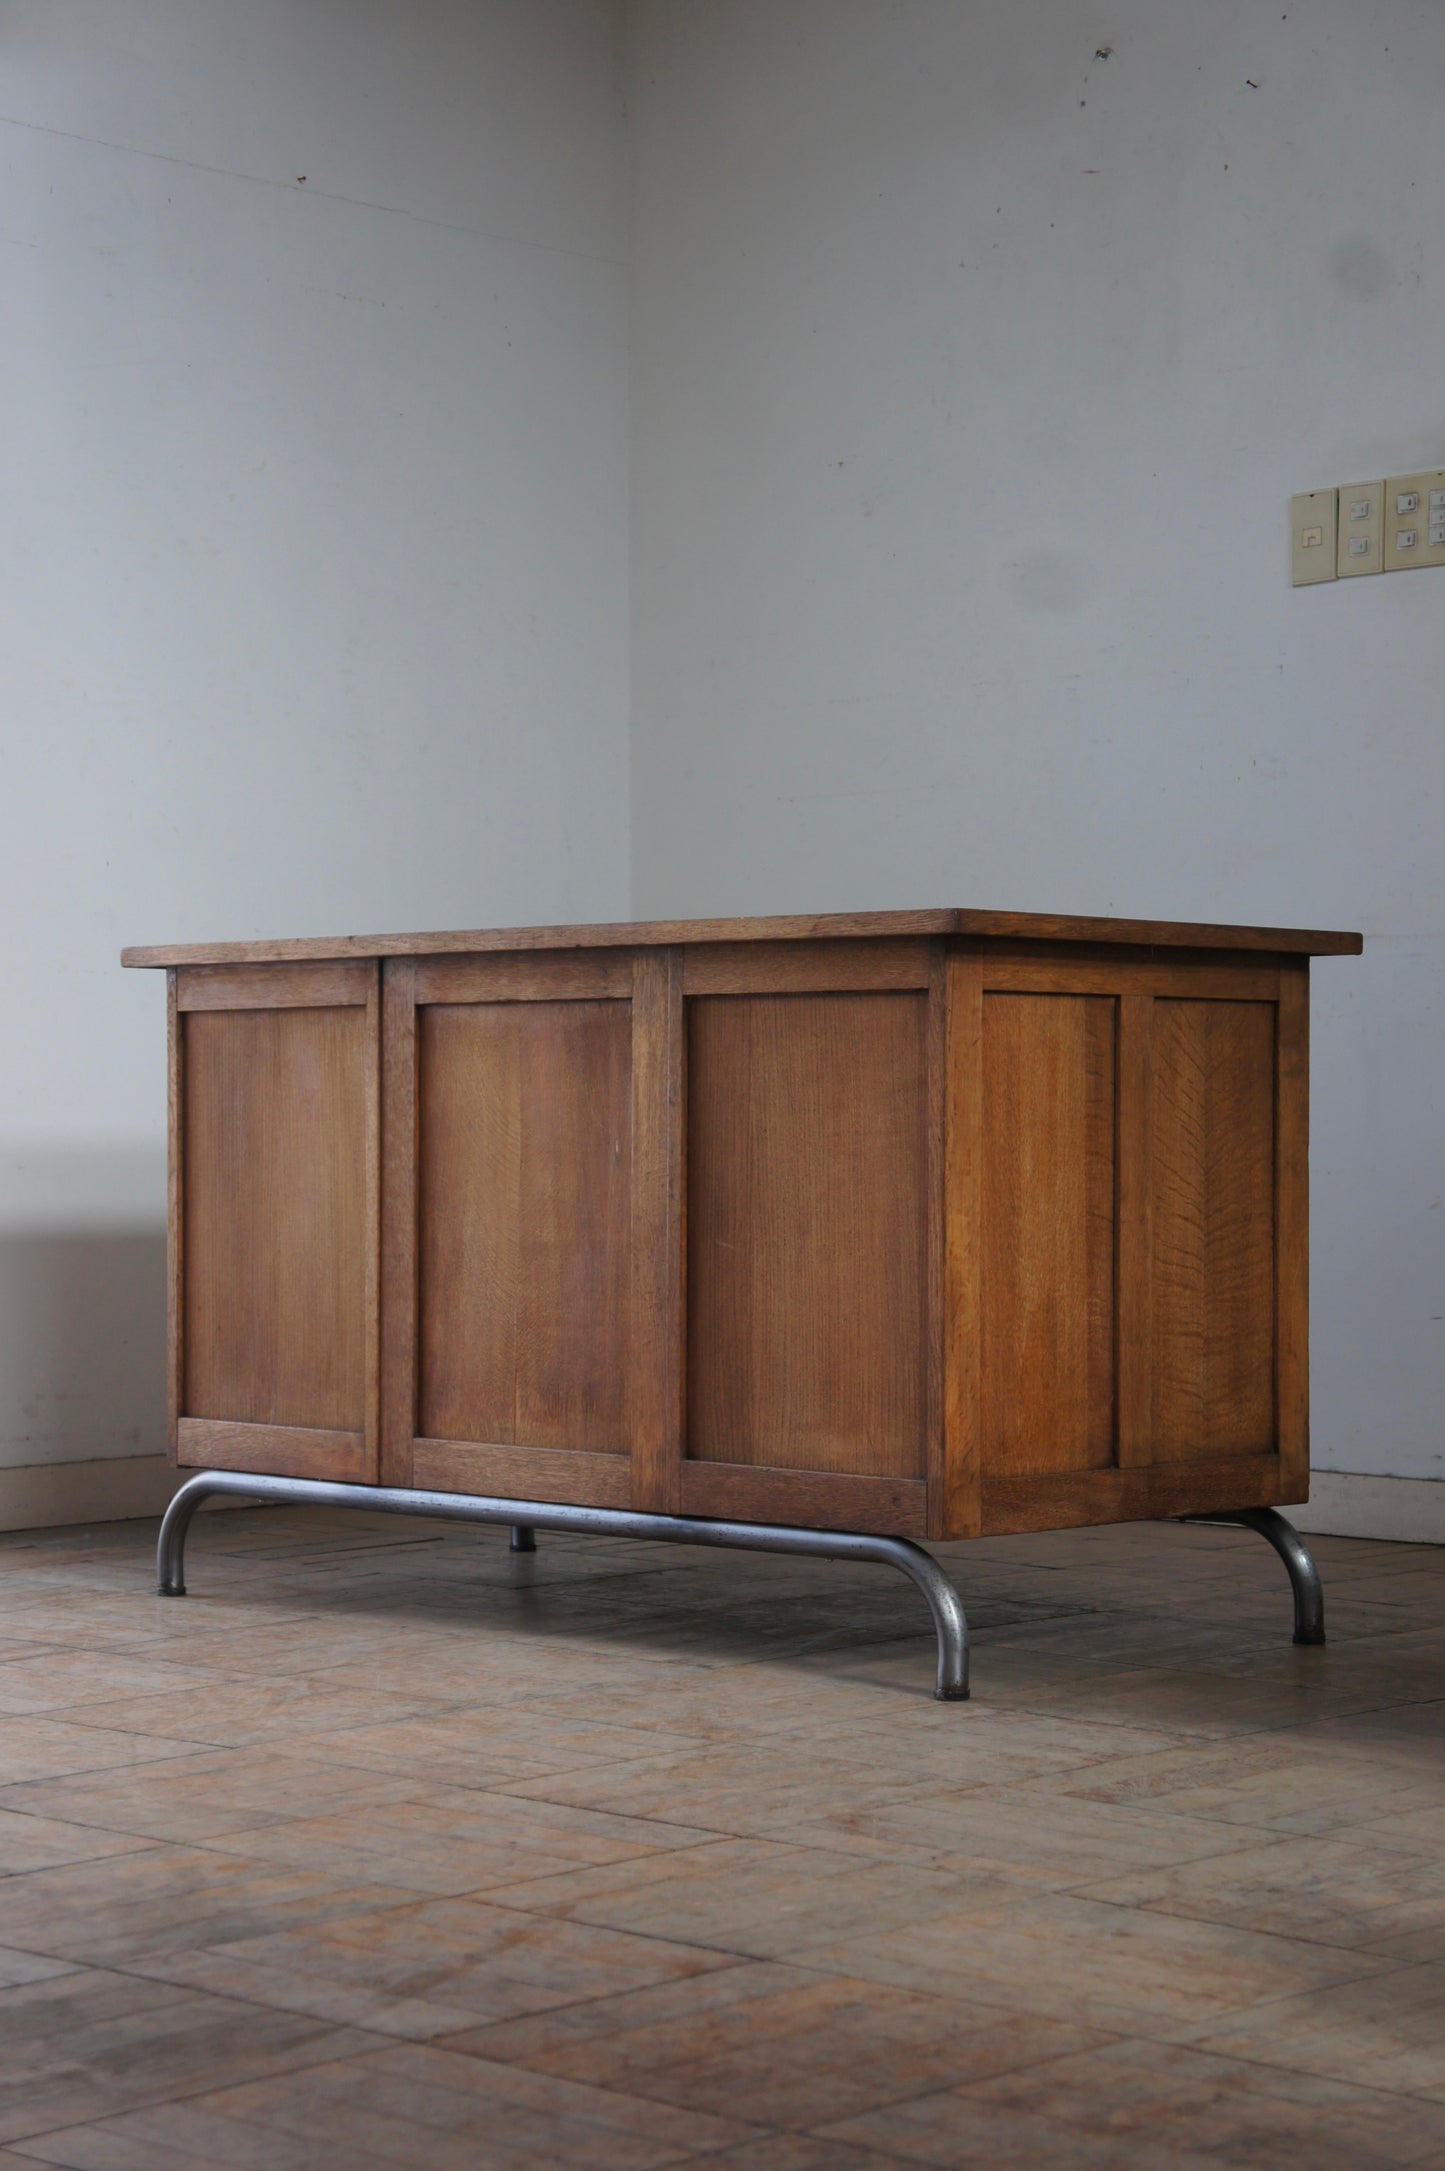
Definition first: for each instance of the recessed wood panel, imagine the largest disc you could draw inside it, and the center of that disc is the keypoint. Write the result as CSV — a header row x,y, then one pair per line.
x,y
275,1224
1213,1214
523,1146
807,1232
1048,1233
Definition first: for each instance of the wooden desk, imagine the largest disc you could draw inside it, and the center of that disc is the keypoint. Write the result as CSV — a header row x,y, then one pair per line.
x,y
923,1223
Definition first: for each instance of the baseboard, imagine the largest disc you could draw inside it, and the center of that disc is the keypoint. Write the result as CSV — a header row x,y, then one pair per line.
x,y
1348,1504
41,1495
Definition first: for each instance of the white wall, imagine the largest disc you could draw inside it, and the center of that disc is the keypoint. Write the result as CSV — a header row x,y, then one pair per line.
x,y
972,376
312,570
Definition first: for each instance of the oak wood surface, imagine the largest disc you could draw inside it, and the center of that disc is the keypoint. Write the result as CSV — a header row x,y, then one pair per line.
x,y
1292,1232
274,1224
274,1450
275,987
832,926
1134,1437
523,1151
956,1513
1212,1324
806,968
823,1500
878,1222
398,1219
807,1231
1047,1248
657,1328
1063,1499
175,1222
935,1237
522,1473
516,977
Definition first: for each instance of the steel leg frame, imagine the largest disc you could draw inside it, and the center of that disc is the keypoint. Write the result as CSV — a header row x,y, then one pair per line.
x,y
527,1516
1304,1576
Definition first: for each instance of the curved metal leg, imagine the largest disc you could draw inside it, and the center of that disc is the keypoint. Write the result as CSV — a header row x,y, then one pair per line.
x,y
943,1600
1304,1576
524,1538
171,1545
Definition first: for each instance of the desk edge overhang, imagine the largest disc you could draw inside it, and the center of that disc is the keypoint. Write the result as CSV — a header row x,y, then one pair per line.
x,y
826,927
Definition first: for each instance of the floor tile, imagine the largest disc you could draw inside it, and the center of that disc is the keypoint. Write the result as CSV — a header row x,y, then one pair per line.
x,y
1119,1968
778,2043
415,2104
1388,2027
167,1899
90,2042
429,1968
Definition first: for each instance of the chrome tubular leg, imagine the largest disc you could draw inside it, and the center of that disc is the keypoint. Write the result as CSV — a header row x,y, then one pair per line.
x,y
524,1538
1304,1576
527,1516
171,1547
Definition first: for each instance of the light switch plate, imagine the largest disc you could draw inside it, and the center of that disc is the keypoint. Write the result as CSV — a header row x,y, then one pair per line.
x,y
1400,558
1361,522
1313,521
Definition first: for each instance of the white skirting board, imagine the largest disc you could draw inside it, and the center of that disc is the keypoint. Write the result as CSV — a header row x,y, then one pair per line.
x,y
44,1495
1348,1504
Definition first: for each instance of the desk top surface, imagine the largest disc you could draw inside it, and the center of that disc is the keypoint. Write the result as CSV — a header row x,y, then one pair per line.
x,y
824,927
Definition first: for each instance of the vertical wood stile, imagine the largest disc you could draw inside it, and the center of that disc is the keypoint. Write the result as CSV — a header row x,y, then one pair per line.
x,y
955,1502
371,1423
175,1261
935,1088
1135,1153
398,1341
1291,1224
657,1342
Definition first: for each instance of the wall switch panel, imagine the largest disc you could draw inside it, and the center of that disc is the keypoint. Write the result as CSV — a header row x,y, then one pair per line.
x,y
1367,527
1414,521
1313,529
1362,527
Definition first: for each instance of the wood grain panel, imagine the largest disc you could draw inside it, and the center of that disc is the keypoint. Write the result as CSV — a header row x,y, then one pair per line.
x,y
275,987
551,976
522,1473
1065,1500
1048,1233
1134,1285
274,1450
802,968
807,1232
956,1513
175,1230
656,1390
1212,1222
275,1222
398,1219
1292,1232
524,1130
730,1492
1120,976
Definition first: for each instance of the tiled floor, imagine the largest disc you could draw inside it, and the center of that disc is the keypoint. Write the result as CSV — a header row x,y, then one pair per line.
x,y
387,1847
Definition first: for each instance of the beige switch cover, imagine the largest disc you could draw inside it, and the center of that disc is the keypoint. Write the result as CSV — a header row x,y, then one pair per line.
x,y
1312,526
1426,522
1361,529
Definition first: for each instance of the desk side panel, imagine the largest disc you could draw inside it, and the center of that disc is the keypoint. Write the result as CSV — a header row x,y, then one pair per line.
x,y
1140,1292
275,1223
